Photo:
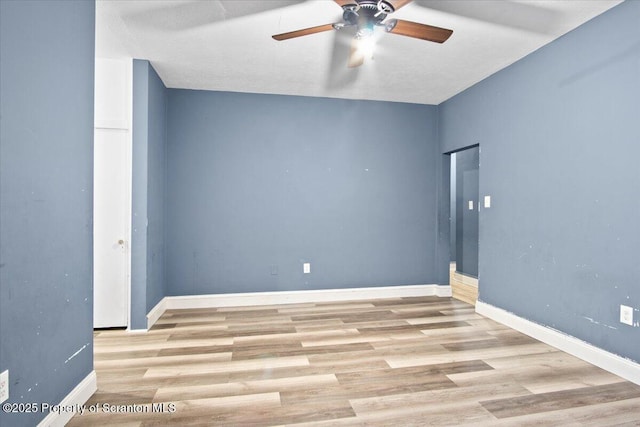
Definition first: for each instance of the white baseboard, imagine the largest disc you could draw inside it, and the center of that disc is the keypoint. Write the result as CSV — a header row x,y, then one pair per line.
x,y
156,312
443,291
293,297
78,397
137,331
613,363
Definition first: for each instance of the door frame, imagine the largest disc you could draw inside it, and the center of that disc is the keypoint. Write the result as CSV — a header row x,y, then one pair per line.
x,y
468,287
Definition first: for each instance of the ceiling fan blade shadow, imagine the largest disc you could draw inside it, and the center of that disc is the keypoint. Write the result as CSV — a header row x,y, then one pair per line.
x,y
523,16
238,9
180,16
339,75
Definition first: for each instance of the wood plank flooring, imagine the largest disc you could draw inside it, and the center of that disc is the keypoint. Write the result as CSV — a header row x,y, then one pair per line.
x,y
400,362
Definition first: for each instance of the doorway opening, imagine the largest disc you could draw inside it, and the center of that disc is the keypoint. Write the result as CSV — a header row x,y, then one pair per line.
x,y
464,223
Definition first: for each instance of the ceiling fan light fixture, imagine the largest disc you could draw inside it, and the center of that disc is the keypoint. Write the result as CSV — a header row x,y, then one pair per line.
x,y
366,47
364,33
359,53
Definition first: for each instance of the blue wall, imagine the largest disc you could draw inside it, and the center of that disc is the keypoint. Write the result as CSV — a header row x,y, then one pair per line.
x,y
559,132
46,197
157,147
148,188
259,184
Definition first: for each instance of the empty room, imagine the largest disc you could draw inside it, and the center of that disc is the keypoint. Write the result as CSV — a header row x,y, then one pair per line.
x,y
340,213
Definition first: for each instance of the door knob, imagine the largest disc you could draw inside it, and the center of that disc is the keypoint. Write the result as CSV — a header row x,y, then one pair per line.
x,y
121,242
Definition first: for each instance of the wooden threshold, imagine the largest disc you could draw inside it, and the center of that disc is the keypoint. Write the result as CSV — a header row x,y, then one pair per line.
x,y
463,287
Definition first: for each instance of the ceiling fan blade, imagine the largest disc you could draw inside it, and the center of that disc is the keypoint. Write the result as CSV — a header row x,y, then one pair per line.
x,y
397,4
418,31
344,2
356,57
303,32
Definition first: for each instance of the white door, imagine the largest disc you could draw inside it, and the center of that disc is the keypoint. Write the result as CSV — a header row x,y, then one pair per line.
x,y
112,193
110,229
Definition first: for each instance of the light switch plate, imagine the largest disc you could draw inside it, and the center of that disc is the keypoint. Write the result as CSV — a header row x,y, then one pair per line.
x,y
306,267
470,205
487,201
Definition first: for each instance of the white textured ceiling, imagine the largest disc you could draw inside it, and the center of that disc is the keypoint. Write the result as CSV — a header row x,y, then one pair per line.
x,y
227,45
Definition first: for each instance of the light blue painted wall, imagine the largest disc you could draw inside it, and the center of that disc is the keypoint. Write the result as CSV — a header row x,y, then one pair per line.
x,y
139,191
259,184
46,197
156,189
147,230
559,133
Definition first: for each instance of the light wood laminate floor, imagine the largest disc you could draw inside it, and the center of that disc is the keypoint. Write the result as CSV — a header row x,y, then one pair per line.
x,y
401,362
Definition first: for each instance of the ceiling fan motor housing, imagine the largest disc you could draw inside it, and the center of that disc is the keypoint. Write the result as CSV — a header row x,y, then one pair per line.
x,y
366,14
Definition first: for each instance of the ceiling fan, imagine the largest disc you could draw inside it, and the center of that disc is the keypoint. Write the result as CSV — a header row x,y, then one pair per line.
x,y
365,15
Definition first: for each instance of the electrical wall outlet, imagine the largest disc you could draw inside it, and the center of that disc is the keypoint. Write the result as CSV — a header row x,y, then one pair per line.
x,y
626,315
4,386
306,267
